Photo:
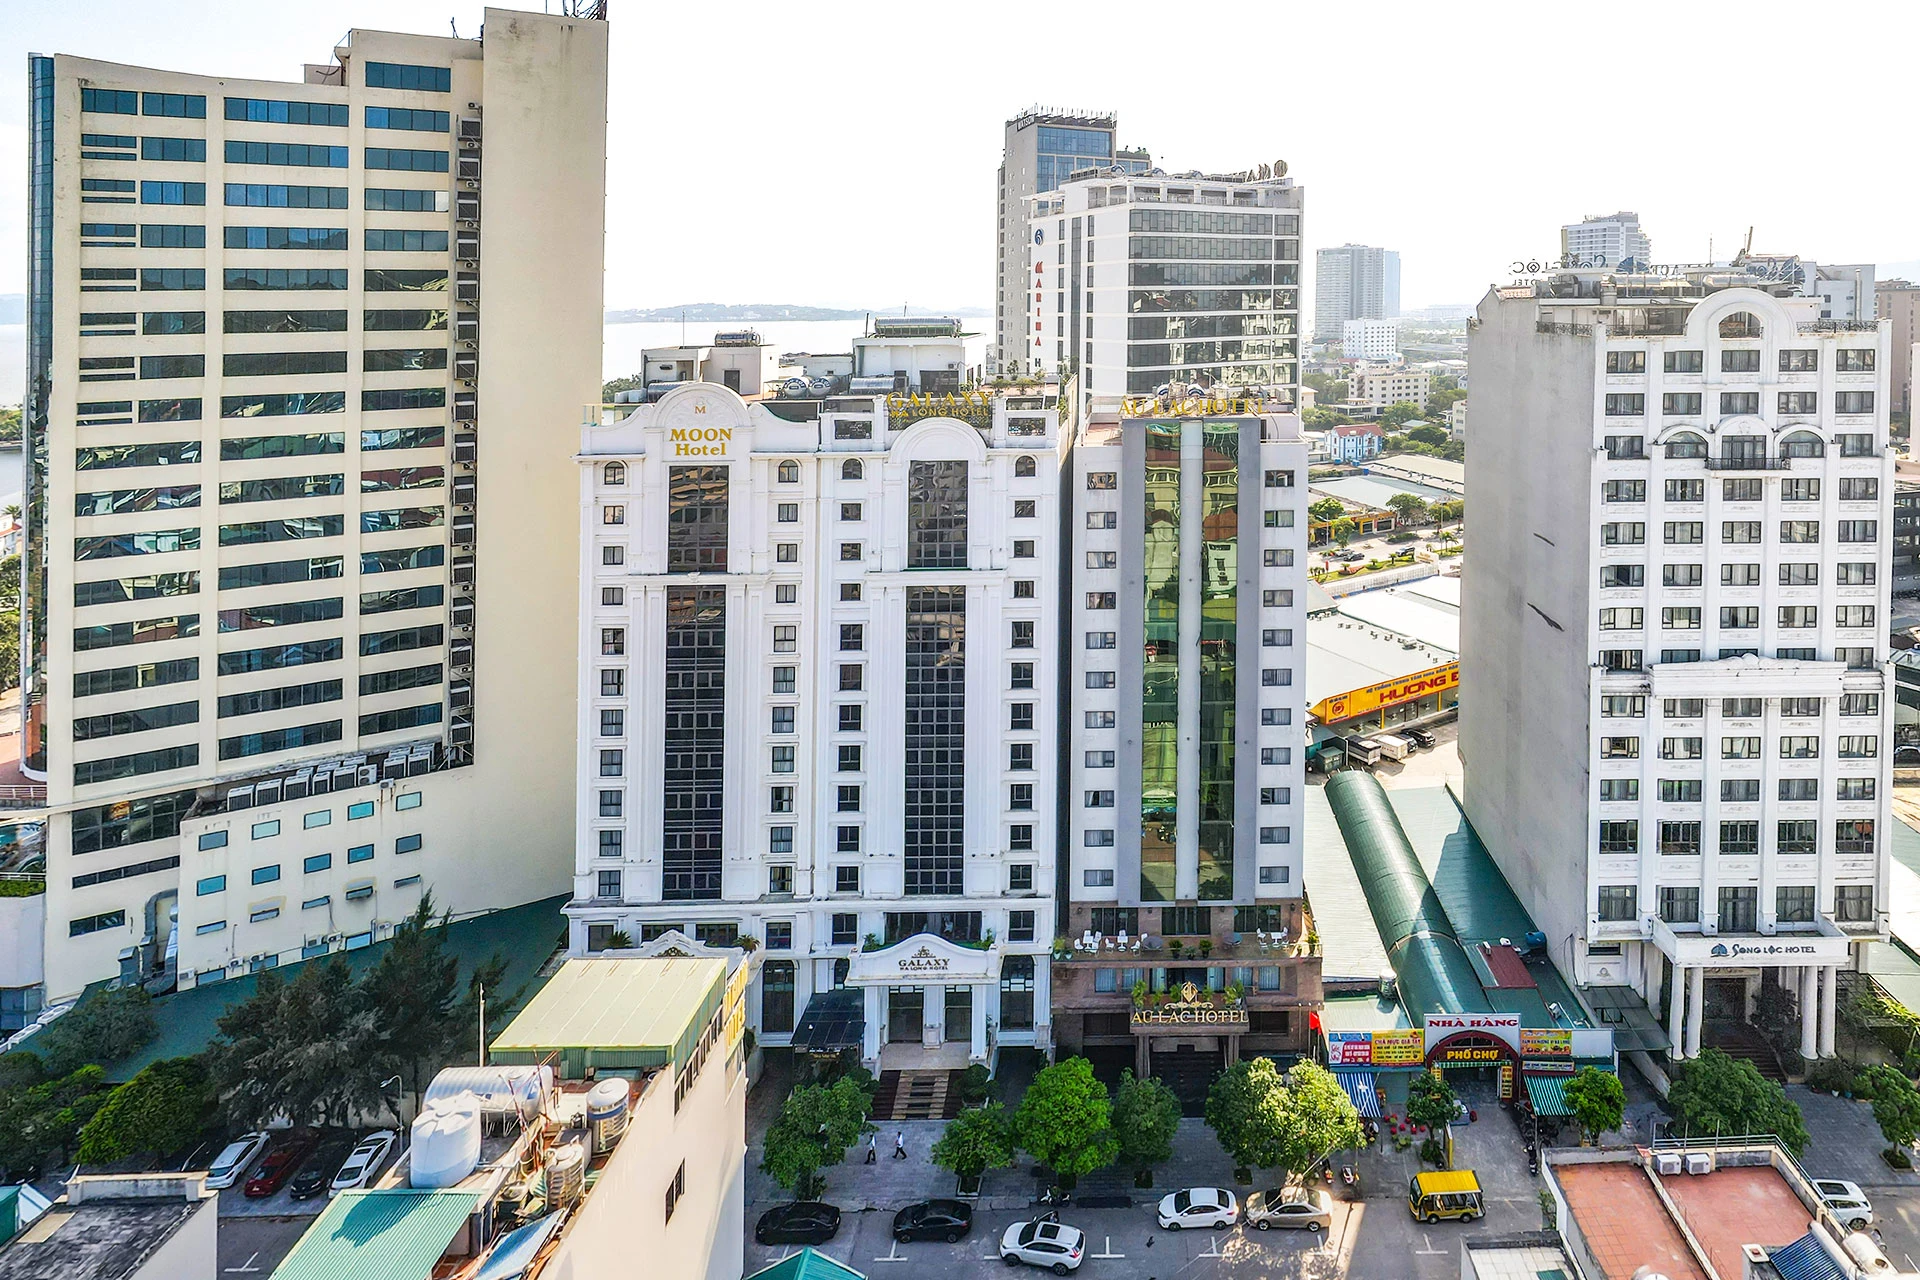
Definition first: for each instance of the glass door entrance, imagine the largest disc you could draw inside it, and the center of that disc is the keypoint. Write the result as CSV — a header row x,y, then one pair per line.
x,y
906,1008
959,1013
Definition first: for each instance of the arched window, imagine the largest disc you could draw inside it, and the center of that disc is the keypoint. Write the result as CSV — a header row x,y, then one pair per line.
x,y
1741,324
1802,444
1023,465
1687,445
789,472
852,470
614,473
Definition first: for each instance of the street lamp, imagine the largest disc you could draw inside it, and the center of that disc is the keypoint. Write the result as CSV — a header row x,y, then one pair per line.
x,y
398,1119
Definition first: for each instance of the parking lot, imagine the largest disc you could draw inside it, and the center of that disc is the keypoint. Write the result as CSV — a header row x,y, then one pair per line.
x,y
255,1234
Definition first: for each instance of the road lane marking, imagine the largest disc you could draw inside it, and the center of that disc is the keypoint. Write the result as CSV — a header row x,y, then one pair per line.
x,y
1108,1246
893,1254
1429,1251
247,1265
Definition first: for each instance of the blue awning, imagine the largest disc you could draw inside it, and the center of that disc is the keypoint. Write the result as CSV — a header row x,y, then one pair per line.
x,y
1360,1087
1804,1259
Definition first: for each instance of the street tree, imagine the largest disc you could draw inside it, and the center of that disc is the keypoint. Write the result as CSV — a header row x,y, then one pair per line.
x,y
162,1109
1343,531
1246,1109
978,1139
40,1123
1065,1122
1896,1104
1407,508
1431,1102
1326,509
1598,1100
1428,433
1318,1119
1715,1094
816,1125
1146,1115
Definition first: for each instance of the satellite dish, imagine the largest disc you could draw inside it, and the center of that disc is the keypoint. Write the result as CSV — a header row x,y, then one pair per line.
x,y
1279,168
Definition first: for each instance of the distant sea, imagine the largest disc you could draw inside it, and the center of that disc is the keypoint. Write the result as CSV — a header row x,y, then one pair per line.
x,y
620,352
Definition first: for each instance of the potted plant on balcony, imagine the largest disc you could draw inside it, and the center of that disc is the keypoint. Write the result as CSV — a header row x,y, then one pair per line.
x,y
1140,994
1206,947
1175,946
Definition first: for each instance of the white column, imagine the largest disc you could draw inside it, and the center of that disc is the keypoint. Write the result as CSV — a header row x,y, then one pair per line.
x,y
1829,999
982,993
876,1031
933,1017
1809,1011
1696,1010
1676,1000
1193,501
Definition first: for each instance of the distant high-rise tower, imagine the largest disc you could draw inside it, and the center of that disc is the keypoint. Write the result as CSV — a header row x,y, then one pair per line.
x,y
1353,282
1042,149
1604,241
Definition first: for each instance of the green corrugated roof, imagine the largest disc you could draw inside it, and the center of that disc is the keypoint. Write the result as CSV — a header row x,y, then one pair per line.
x,y
808,1264
634,1006
379,1235
1349,944
1429,963
1362,1013
526,935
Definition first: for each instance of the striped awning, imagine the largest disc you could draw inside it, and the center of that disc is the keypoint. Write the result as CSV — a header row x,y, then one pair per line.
x,y
1360,1087
1549,1095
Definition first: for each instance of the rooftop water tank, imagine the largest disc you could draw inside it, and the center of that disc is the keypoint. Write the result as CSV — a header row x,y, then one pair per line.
x,y
446,1142
566,1174
607,1112
517,1092
794,388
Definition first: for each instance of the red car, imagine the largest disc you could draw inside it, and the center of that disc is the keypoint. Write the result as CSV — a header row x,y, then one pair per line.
x,y
279,1165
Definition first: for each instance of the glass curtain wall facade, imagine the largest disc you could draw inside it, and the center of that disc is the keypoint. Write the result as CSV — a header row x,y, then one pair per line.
x,y
697,519
33,564
1160,671
936,677
695,742
937,515
1060,152
1219,626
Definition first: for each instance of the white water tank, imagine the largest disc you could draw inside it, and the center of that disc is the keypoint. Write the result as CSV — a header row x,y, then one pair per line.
x,y
566,1174
517,1092
607,1112
446,1142
1865,1253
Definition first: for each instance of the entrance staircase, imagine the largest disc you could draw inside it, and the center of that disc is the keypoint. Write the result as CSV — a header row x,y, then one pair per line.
x,y
916,1095
1745,1044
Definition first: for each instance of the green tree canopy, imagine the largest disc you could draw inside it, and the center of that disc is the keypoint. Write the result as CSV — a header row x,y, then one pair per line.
x,y
101,1029
1715,1094
978,1139
816,1125
1408,508
1343,530
1431,1102
40,1123
1398,412
1326,509
1896,1104
1065,1123
1319,1119
1427,433
632,382
162,1109
306,1049
1246,1110
1598,1100
1145,1116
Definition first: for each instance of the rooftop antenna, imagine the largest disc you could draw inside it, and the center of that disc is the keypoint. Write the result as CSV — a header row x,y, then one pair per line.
x,y
683,326
483,1024
454,27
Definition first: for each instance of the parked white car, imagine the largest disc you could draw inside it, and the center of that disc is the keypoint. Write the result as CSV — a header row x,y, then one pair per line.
x,y
1848,1202
233,1163
1199,1207
1041,1243
364,1162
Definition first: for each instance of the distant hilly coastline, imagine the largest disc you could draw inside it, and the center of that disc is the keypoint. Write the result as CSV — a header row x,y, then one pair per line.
x,y
734,312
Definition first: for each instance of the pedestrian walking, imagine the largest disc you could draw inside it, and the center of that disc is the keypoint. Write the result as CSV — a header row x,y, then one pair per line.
x,y
900,1144
873,1152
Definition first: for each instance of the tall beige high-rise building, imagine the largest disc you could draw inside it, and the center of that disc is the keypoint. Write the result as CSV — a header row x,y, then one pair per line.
x,y
305,366
1899,302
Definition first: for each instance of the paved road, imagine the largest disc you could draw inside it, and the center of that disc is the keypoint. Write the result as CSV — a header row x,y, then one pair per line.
x,y
254,1246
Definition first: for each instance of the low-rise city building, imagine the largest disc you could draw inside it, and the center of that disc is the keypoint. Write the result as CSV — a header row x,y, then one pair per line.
x,y
1377,340
1372,390
131,1226
1382,659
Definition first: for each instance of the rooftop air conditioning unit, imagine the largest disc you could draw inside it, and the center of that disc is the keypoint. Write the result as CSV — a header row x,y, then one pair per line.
x,y
1699,1162
1667,1164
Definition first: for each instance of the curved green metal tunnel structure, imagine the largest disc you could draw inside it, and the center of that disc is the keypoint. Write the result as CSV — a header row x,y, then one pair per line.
x,y
1429,963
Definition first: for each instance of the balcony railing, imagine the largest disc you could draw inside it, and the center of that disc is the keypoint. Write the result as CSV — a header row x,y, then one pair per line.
x,y
1743,462
23,797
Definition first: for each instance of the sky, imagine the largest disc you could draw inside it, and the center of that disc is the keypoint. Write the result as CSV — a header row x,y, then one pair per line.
x,y
845,154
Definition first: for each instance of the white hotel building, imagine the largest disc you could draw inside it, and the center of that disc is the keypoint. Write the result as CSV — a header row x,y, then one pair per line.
x,y
817,693
303,358
1679,743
